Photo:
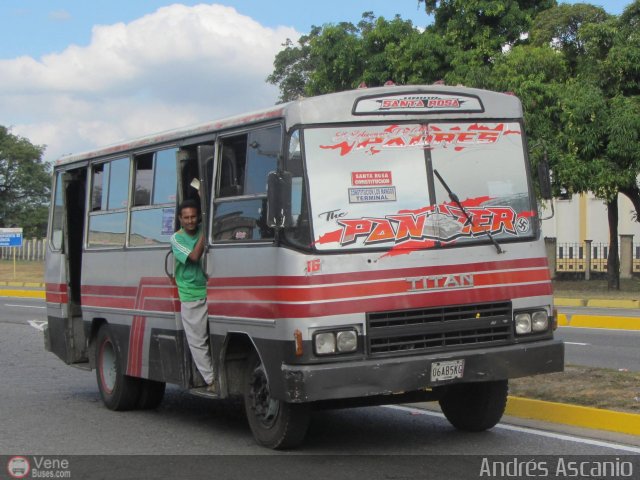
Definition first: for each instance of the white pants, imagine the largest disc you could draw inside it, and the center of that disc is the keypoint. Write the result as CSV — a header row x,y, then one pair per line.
x,y
194,320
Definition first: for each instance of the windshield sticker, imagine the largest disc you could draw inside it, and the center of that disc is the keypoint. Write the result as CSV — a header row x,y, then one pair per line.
x,y
363,179
416,229
418,103
331,215
375,194
425,137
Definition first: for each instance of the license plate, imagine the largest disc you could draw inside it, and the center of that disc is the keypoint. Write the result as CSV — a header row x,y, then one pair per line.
x,y
447,370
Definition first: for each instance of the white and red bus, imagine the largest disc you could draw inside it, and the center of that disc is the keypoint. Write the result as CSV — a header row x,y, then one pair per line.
x,y
366,247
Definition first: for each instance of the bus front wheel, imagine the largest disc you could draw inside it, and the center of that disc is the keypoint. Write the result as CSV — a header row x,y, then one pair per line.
x,y
274,423
475,407
118,391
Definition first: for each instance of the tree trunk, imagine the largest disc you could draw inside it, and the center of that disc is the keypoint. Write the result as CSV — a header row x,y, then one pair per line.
x,y
613,260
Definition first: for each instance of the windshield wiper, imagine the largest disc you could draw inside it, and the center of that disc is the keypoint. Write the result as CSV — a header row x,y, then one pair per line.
x,y
454,198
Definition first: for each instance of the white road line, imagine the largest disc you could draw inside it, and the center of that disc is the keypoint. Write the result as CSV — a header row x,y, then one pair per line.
x,y
37,324
23,306
595,329
577,343
531,431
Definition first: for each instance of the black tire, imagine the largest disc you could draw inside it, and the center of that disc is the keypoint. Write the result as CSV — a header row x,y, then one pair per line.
x,y
118,391
274,423
151,394
475,407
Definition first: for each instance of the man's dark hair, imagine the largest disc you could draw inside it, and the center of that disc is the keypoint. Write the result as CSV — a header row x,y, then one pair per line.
x,y
189,203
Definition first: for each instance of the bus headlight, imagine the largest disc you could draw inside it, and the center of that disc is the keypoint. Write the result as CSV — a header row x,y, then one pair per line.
x,y
539,321
534,321
523,323
341,341
347,341
325,343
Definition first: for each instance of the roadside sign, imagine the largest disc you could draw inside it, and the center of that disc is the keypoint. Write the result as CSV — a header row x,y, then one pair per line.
x,y
10,237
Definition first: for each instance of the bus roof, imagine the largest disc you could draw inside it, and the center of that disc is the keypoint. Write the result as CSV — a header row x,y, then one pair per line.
x,y
389,103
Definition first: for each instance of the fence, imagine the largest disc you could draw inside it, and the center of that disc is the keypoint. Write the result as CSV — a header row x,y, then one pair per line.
x,y
32,249
589,257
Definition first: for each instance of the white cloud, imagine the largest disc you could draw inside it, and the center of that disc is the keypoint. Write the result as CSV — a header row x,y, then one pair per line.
x,y
177,66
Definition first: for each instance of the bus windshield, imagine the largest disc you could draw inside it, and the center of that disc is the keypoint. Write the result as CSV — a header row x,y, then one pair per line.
x,y
374,186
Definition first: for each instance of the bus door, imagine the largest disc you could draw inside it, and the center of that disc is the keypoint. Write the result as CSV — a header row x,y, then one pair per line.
x,y
65,334
195,167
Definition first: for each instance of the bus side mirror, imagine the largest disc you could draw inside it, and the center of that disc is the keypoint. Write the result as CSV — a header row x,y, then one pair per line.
x,y
544,178
279,199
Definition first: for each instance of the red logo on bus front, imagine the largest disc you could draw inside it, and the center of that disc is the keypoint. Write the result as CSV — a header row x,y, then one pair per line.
x,y
423,137
444,223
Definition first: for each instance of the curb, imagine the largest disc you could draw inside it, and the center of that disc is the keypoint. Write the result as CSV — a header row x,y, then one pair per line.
x,y
22,293
596,303
599,321
574,415
22,284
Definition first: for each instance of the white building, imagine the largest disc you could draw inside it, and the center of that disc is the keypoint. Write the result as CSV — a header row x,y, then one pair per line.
x,y
581,221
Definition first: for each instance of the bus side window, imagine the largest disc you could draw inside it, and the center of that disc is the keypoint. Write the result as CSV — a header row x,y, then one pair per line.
x,y
109,201
58,215
299,234
240,200
153,212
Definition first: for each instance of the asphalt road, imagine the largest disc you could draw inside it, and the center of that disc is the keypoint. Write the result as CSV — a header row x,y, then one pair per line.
x,y
49,408
615,312
616,349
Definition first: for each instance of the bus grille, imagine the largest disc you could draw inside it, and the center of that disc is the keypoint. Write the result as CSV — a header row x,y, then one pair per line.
x,y
418,331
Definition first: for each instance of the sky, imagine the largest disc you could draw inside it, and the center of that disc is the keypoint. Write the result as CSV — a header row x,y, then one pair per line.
x,y
77,74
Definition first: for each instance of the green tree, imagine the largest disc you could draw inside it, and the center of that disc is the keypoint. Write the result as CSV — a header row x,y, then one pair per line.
x,y
484,25
24,184
340,57
600,109
561,26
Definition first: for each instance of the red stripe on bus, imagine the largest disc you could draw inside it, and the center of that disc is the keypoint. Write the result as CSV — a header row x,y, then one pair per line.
x,y
275,310
299,280
136,342
396,286
56,293
56,287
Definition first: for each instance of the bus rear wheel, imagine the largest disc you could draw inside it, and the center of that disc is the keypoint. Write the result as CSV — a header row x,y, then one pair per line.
x,y
118,391
475,407
274,423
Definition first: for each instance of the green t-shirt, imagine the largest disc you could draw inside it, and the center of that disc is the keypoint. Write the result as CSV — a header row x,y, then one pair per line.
x,y
192,284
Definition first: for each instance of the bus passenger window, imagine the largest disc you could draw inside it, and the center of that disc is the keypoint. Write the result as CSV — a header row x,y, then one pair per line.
x,y
240,201
144,180
100,185
152,218
109,200
58,215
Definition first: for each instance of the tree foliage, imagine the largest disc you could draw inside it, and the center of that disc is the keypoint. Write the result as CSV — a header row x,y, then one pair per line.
x,y
340,57
24,184
485,26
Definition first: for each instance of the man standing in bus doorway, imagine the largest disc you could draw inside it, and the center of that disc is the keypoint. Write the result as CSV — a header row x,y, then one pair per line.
x,y
187,245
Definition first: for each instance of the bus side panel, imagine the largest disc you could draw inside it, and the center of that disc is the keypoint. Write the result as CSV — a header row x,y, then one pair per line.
x,y
63,335
130,291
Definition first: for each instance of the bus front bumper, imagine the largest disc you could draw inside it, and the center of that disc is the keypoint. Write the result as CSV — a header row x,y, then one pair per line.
x,y
389,376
